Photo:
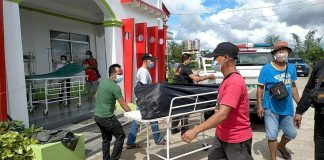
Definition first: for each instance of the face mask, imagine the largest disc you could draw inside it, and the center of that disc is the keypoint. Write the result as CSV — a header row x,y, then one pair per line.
x,y
88,56
213,65
219,65
63,61
151,65
119,78
281,57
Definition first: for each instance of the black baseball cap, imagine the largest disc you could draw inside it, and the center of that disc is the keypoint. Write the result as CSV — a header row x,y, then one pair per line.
x,y
224,48
147,56
88,53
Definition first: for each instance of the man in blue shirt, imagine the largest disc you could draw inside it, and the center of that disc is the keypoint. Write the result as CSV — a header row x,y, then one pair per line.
x,y
278,114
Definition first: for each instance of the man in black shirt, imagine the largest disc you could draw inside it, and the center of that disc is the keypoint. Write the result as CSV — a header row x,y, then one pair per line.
x,y
314,85
184,75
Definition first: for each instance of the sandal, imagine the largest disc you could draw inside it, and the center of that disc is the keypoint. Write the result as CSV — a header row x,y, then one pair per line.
x,y
132,146
285,154
162,142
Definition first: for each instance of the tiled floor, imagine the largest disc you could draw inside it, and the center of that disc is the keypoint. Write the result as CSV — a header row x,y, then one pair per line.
x,y
60,115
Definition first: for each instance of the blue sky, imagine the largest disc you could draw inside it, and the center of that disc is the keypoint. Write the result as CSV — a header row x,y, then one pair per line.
x,y
239,20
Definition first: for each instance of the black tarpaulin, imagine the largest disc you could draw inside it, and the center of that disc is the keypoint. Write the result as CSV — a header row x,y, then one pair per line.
x,y
154,99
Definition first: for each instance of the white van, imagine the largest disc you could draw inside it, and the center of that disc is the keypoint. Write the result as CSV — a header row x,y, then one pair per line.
x,y
249,65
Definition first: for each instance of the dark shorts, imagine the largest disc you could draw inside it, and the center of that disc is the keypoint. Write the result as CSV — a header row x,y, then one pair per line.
x,y
230,151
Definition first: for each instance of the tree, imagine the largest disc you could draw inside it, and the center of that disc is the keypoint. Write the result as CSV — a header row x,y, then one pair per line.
x,y
311,50
175,51
204,52
271,39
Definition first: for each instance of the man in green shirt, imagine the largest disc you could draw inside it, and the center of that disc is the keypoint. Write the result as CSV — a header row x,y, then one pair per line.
x,y
107,94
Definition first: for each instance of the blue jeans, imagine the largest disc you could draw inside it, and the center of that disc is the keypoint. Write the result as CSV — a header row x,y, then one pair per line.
x,y
274,122
133,133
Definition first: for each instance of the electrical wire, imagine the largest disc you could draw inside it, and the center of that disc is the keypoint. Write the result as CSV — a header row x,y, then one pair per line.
x,y
247,20
236,10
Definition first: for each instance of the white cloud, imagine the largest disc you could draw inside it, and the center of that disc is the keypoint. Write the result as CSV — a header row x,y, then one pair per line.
x,y
246,24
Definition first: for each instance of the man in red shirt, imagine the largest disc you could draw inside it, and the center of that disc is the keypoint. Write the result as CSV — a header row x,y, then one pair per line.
x,y
91,70
233,135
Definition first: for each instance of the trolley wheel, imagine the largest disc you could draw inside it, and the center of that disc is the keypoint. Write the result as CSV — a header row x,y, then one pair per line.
x,y
205,145
45,113
78,105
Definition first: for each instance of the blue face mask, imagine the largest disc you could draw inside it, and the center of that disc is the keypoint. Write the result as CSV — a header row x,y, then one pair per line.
x,y
119,78
213,65
151,65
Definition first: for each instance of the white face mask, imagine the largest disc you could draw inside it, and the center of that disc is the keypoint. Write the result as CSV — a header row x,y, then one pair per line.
x,y
119,78
63,61
219,65
281,57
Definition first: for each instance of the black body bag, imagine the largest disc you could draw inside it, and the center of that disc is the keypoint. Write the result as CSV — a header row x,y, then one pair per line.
x,y
279,90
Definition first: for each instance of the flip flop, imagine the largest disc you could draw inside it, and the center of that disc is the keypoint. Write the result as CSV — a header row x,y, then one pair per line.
x,y
132,146
285,154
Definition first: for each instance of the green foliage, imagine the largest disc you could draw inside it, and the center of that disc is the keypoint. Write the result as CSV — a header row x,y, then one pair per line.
x,y
310,50
175,50
204,52
272,39
15,141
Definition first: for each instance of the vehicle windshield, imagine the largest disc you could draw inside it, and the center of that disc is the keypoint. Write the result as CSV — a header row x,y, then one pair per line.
x,y
254,59
296,61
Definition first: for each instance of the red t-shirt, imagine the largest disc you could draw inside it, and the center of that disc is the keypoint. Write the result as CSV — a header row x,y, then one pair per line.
x,y
90,72
237,127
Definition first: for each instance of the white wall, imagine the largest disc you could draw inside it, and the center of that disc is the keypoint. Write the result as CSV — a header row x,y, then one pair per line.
x,y
36,36
126,11
16,86
155,3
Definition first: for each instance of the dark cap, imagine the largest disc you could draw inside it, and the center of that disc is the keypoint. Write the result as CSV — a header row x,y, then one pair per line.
x,y
147,56
88,53
224,48
280,45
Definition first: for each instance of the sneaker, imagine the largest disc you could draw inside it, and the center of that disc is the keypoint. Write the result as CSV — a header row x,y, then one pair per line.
x,y
132,146
162,142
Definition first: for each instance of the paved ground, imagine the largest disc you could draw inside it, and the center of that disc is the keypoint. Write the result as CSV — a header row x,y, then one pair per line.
x,y
302,148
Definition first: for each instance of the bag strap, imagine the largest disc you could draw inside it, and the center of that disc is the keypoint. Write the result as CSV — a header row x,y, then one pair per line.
x,y
286,73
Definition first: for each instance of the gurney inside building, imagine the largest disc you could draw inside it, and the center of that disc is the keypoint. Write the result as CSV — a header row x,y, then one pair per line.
x,y
42,94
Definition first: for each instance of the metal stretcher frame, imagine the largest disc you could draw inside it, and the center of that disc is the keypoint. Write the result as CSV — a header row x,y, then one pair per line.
x,y
136,115
52,87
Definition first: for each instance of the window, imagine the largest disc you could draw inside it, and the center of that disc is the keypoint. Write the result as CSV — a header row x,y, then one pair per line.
x,y
72,45
253,59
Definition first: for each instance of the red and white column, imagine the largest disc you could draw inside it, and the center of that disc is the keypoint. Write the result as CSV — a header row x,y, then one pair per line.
x,y
3,78
128,54
16,85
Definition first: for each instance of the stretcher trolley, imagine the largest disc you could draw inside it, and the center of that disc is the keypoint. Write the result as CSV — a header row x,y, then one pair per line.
x,y
176,112
60,86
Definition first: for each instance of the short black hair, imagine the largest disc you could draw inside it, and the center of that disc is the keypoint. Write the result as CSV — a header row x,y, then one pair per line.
x,y
63,56
112,69
185,57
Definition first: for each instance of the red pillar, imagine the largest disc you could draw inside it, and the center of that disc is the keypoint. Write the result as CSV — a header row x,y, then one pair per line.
x,y
3,87
128,49
161,53
140,36
152,39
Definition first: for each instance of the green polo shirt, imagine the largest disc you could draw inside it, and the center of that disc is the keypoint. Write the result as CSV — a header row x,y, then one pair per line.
x,y
107,94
